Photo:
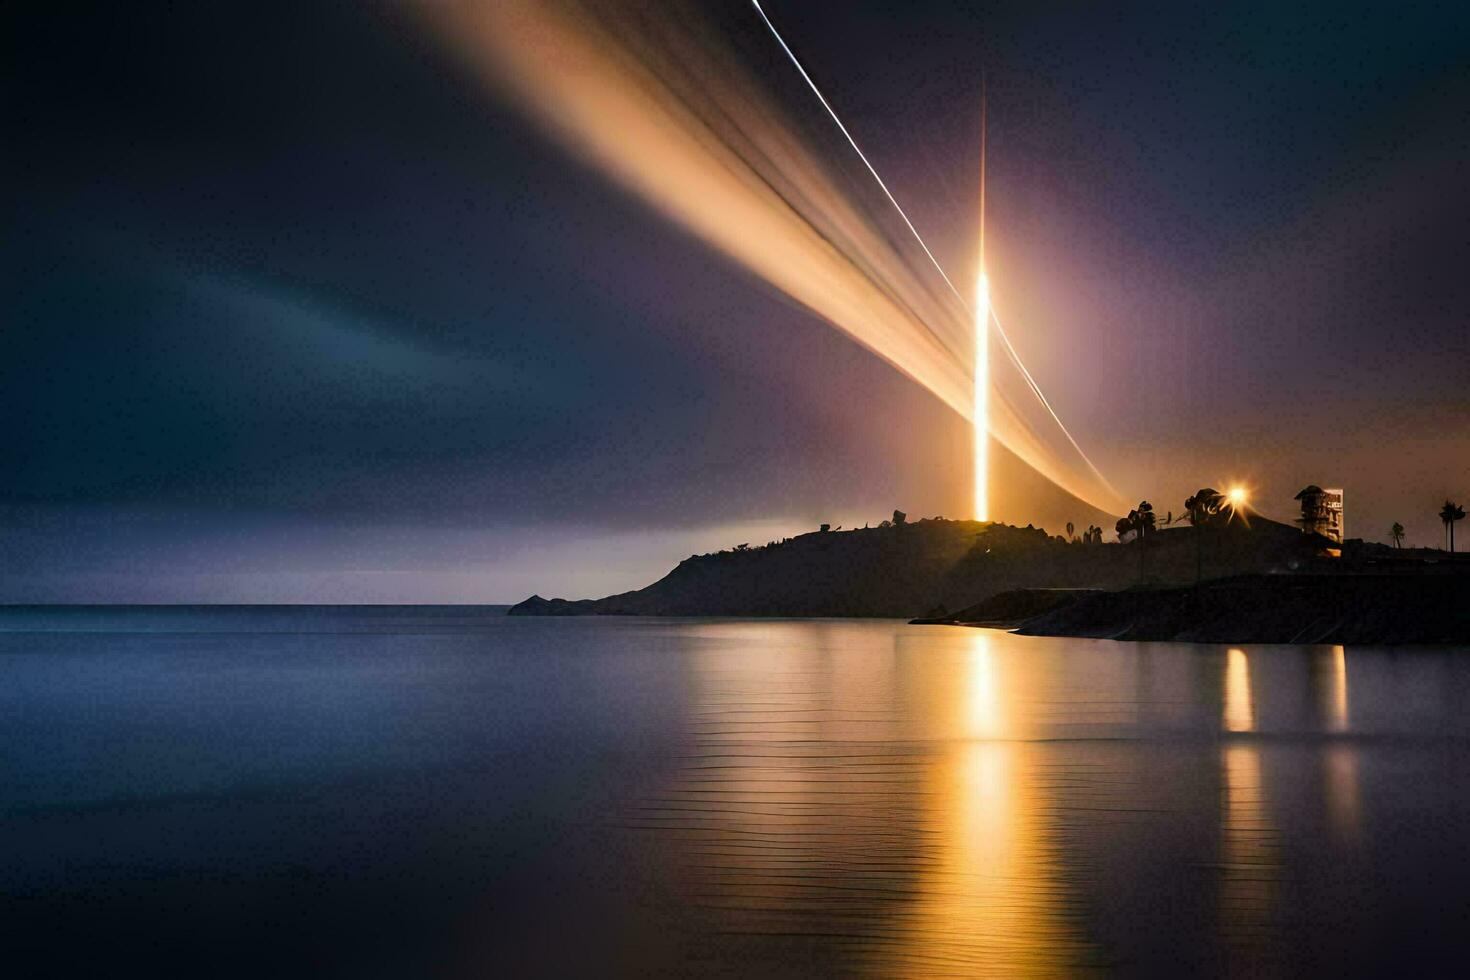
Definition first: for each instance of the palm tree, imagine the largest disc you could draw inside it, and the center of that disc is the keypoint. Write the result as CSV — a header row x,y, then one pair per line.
x,y
1141,522
1206,503
1451,513
1397,533
1146,519
1146,522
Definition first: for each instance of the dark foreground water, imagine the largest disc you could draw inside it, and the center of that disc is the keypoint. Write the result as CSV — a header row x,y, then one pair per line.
x,y
450,792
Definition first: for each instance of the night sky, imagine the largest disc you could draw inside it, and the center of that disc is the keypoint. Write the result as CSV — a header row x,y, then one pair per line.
x,y
296,308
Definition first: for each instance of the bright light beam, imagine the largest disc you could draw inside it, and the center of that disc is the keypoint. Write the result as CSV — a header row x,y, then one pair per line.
x,y
980,423
674,117
980,413
982,396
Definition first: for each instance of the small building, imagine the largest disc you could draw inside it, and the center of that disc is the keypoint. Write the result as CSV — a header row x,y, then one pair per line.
x,y
1322,512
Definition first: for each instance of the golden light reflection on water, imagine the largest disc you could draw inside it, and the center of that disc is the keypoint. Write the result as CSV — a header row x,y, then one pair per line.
x,y
860,799
1249,841
1335,692
1340,783
982,706
872,799
1344,807
1240,715
1249,844
994,892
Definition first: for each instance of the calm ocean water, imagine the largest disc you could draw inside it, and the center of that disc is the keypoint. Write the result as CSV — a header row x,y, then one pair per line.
x,y
405,792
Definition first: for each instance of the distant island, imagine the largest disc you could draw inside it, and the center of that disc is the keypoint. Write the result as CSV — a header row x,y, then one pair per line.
x,y
1242,579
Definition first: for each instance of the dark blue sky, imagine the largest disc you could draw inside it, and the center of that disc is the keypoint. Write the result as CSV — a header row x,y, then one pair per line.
x,y
296,309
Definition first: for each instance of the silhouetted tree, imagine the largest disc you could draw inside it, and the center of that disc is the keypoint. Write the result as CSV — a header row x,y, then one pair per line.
x,y
1451,513
1070,529
1202,507
1397,533
825,528
1146,519
1142,521
899,517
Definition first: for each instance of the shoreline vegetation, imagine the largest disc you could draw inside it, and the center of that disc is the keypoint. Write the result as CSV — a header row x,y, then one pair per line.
x,y
1240,579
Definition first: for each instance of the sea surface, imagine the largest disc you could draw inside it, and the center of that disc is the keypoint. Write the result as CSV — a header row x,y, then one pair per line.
x,y
447,791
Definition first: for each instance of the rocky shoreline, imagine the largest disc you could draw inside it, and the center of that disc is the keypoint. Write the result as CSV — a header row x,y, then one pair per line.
x,y
1425,605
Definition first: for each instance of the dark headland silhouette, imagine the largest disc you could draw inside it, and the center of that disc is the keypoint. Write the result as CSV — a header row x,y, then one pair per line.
x,y
1245,579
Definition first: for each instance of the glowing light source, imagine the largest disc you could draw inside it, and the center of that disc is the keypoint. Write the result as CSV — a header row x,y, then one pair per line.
x,y
980,420
982,397
1237,496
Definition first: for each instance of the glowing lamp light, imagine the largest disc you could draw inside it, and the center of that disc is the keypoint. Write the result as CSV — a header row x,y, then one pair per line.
x,y
1237,497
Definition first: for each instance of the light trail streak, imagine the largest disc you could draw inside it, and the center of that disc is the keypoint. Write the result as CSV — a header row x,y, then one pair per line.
x,y
980,417
857,149
659,100
1036,390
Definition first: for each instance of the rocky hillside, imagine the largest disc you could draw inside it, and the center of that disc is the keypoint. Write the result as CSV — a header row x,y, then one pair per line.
x,y
930,566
